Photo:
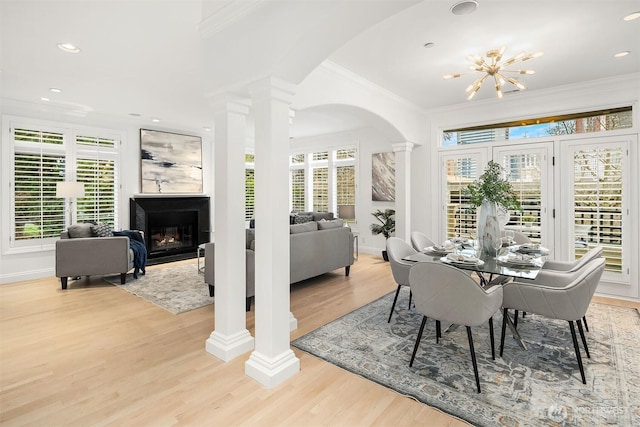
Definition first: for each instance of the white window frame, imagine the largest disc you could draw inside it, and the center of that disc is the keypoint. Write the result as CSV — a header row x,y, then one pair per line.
x,y
69,131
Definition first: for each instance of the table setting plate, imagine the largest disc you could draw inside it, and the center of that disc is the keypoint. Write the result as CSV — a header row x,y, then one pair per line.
x,y
431,250
518,261
531,248
464,261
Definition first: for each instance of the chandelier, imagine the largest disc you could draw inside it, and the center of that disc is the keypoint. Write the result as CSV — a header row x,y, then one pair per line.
x,y
494,66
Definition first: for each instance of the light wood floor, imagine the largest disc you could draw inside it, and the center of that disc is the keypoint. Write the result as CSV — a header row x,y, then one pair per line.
x,y
96,355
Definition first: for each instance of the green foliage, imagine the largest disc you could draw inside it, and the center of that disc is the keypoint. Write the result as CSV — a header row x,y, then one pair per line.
x,y
493,187
387,222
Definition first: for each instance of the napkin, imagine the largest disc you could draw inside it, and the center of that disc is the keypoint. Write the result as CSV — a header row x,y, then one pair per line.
x,y
516,258
462,258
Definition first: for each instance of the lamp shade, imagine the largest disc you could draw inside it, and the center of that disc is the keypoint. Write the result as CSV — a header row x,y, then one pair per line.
x,y
346,211
69,189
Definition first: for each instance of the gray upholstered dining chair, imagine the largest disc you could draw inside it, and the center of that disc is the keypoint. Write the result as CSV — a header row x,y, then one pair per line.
x,y
570,266
556,295
447,294
396,250
420,241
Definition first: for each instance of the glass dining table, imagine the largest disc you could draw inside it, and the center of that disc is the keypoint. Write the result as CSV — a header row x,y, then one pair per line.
x,y
512,262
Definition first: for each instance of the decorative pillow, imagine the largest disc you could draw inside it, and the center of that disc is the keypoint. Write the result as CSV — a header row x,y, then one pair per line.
x,y
334,223
303,228
302,218
77,231
318,216
102,229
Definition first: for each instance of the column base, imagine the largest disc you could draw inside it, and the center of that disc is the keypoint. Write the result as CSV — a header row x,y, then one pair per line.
x,y
293,322
227,347
272,371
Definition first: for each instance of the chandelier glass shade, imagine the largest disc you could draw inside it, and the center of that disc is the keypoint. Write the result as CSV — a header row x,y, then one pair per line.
x,y
494,67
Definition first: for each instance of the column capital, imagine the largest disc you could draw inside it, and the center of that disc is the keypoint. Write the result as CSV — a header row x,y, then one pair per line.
x,y
403,146
272,88
227,103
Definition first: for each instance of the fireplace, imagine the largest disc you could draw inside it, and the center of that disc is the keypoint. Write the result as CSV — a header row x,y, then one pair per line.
x,y
173,226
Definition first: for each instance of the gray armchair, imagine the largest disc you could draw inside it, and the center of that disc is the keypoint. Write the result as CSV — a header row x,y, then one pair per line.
x,y
562,295
447,294
398,249
92,256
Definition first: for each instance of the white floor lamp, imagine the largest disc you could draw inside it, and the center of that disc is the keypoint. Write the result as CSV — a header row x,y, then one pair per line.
x,y
70,190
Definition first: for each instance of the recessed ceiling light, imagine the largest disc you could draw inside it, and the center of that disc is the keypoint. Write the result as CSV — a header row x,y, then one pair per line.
x,y
621,54
463,7
135,114
44,99
429,45
68,47
55,90
207,128
155,120
632,16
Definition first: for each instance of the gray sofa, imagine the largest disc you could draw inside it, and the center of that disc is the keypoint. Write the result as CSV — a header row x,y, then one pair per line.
x,y
79,253
316,247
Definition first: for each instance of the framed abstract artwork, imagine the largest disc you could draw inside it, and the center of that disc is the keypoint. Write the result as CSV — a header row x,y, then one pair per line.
x,y
383,177
170,163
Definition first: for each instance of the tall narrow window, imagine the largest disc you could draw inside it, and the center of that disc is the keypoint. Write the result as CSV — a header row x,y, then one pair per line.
x,y
96,168
298,192
460,215
249,186
39,162
320,189
598,202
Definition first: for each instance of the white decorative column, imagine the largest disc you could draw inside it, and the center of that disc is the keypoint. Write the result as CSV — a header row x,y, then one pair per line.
x,y
230,337
403,189
272,361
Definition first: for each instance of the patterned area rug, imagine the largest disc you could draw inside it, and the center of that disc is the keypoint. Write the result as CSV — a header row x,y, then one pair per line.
x,y
534,387
176,288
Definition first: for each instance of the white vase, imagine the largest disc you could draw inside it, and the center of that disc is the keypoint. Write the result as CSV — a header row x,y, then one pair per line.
x,y
488,227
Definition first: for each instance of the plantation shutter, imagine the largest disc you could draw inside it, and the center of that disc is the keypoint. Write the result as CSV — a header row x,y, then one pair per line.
x,y
598,197
459,171
249,183
39,162
298,192
96,168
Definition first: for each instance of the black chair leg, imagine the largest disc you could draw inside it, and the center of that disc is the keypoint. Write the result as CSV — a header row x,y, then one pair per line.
x,y
212,291
410,296
493,347
438,331
248,303
123,278
473,357
415,347
515,319
577,350
584,340
586,327
505,313
394,303
63,282
524,314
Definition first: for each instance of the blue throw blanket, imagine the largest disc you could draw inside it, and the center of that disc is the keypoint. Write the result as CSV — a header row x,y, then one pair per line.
x,y
137,245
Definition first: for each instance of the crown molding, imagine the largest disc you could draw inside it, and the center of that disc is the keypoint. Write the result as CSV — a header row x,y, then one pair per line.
x,y
228,15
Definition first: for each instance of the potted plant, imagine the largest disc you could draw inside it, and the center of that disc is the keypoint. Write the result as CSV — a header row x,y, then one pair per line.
x,y
489,194
386,226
